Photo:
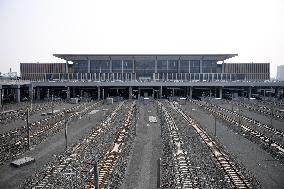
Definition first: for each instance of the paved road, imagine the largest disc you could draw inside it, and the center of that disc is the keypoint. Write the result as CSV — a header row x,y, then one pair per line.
x,y
141,172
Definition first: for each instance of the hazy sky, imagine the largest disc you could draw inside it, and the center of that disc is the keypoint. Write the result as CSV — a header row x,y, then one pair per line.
x,y
33,30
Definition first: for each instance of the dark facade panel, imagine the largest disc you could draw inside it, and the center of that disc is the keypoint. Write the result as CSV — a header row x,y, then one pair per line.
x,y
245,71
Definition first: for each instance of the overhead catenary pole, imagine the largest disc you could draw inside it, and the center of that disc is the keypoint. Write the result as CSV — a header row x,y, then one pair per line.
x,y
271,118
239,116
65,118
28,129
96,175
215,126
52,108
158,173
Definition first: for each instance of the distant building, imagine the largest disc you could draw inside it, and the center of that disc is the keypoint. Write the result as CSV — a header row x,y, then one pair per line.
x,y
280,73
9,75
161,67
42,71
248,71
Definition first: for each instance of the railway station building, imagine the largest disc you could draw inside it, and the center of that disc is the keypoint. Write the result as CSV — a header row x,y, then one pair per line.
x,y
99,76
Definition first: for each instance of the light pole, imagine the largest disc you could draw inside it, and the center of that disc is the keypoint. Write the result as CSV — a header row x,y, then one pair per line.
x,y
65,118
2,103
240,116
158,173
214,125
96,174
32,96
271,117
52,104
28,129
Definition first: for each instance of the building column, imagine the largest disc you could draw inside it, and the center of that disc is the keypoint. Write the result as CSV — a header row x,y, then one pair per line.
x,y
249,92
81,93
133,65
38,93
66,67
110,65
277,91
189,67
1,96
74,92
89,66
179,65
121,68
31,92
167,70
201,66
190,92
221,92
99,93
161,92
47,94
156,65
103,94
68,93
130,92
18,93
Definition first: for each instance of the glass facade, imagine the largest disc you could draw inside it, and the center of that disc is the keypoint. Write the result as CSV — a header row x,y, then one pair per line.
x,y
80,66
127,66
184,66
172,66
145,68
162,66
209,66
99,66
194,66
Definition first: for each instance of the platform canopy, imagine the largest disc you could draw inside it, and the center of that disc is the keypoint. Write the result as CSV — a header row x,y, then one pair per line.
x,y
76,57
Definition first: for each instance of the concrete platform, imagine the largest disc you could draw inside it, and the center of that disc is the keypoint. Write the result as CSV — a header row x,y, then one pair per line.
x,y
23,161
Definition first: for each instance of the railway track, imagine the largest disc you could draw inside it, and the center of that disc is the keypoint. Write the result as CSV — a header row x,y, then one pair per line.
x,y
13,115
77,154
111,157
221,157
261,109
15,142
268,144
181,163
258,123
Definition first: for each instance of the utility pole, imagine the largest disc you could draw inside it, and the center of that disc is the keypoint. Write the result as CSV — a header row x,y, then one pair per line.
x,y
215,126
65,117
32,99
158,173
135,121
96,175
271,118
28,129
52,104
239,116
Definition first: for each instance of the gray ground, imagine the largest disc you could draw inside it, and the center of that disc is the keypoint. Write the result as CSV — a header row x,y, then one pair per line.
x,y
147,148
11,177
276,123
34,117
142,169
267,171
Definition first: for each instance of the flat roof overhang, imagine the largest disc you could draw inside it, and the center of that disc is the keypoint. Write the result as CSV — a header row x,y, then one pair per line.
x,y
76,57
158,84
